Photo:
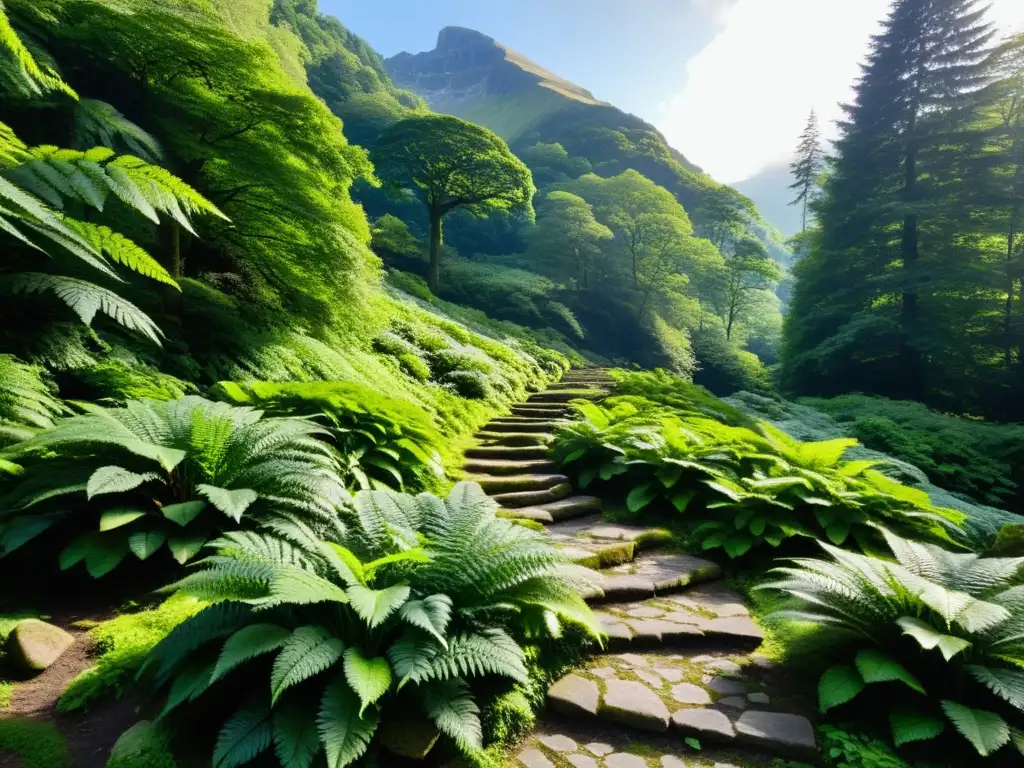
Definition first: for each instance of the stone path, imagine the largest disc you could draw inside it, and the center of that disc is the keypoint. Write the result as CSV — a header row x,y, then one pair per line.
x,y
679,683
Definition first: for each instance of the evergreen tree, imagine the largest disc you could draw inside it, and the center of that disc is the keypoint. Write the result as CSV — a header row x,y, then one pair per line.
x,y
809,163
872,307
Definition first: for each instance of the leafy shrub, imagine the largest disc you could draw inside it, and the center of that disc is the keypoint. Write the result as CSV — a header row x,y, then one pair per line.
x,y
742,489
931,637
473,385
383,441
980,459
663,388
139,477
27,403
118,381
451,360
723,368
845,749
416,602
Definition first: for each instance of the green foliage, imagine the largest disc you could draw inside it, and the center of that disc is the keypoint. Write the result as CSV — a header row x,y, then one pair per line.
x,y
144,745
382,441
848,749
35,744
963,455
415,601
740,488
156,473
27,403
121,646
116,381
933,636
723,368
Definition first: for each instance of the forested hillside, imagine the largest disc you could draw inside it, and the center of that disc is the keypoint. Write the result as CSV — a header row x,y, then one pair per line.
x,y
362,413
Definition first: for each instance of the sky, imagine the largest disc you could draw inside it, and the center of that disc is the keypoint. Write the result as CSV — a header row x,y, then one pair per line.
x,y
729,82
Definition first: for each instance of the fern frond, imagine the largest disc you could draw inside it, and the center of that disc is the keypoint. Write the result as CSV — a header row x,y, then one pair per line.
x,y
450,705
244,737
344,733
97,122
21,67
308,652
121,250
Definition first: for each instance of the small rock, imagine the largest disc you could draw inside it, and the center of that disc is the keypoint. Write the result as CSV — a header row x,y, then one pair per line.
x,y
652,679
573,695
759,698
733,702
671,674
633,659
792,733
687,693
34,645
727,687
704,724
558,742
603,672
534,758
762,662
599,749
623,760
632,704
581,761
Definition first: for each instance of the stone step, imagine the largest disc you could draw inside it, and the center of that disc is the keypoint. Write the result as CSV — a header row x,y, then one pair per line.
x,y
707,697
519,499
515,438
709,614
549,397
653,575
579,384
507,452
515,483
573,506
509,466
597,555
526,424
590,532
541,411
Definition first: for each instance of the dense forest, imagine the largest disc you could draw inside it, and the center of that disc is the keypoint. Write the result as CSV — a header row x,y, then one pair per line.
x,y
421,387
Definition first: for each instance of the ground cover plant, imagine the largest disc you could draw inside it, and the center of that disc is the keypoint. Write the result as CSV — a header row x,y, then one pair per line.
x,y
929,639
134,479
739,488
420,600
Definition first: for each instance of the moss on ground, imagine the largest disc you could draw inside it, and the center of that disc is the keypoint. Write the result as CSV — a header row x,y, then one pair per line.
x,y
36,744
123,643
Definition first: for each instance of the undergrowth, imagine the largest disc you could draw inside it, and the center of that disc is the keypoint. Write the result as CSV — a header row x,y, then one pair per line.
x,y
34,743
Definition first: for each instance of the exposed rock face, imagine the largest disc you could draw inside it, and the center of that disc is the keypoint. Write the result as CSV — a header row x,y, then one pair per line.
x,y
467,65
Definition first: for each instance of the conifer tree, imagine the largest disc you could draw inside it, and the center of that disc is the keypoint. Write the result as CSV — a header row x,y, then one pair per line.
x,y
868,308
808,165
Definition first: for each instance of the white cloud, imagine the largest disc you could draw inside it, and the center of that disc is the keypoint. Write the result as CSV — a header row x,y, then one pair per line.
x,y
747,94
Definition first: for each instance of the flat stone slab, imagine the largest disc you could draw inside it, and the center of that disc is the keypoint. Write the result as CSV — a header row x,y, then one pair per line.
x,y
715,598
727,686
581,761
792,734
513,483
523,424
737,628
624,760
702,723
533,758
574,506
515,438
558,743
508,466
574,695
623,588
507,452
671,572
564,396
688,693
634,705
532,498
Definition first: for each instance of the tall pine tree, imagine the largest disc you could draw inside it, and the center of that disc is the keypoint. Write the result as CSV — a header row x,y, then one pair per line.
x,y
809,163
869,309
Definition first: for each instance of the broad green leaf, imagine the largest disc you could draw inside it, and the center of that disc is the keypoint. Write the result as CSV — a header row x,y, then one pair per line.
x,y
183,513
913,725
986,731
415,555
612,469
743,517
929,638
309,651
105,553
243,737
757,525
190,683
450,705
374,606
296,739
184,548
877,667
246,643
837,686
738,544
838,531
344,733
348,567
76,551
670,475
734,494
587,476
113,479
145,543
430,614
298,586
682,500
369,678
115,518
641,496
19,530
232,503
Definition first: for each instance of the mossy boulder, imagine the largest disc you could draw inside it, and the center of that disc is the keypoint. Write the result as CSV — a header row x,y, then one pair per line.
x,y
144,745
34,645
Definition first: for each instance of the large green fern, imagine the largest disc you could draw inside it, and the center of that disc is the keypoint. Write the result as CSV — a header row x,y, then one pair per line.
x,y
935,635
420,597
174,473
26,403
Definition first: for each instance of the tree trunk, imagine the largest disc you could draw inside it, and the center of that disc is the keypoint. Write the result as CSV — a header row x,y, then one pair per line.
x,y
909,355
434,276
806,193
172,295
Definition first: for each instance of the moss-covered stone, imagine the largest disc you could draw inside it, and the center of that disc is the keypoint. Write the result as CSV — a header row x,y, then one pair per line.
x,y
34,645
144,745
